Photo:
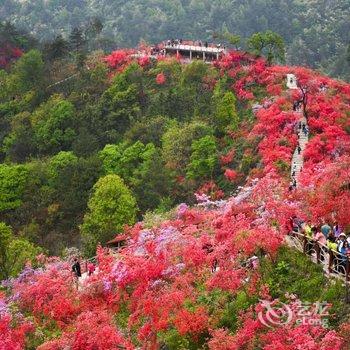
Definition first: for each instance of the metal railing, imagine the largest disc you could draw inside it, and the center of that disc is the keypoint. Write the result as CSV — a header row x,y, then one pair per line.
x,y
333,261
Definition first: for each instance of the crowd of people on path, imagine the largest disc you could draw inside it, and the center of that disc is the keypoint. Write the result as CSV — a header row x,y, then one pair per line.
x,y
303,128
293,183
174,42
323,238
158,51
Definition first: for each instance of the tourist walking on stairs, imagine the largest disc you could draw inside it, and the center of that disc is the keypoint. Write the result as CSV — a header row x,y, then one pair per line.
x,y
76,269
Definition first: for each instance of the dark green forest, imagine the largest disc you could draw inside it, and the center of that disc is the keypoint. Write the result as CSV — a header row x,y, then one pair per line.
x,y
316,32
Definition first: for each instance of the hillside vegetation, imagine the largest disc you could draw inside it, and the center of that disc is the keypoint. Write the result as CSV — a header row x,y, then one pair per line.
x,y
159,127
130,135
316,32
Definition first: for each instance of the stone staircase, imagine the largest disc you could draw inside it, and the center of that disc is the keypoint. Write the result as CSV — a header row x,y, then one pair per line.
x,y
298,159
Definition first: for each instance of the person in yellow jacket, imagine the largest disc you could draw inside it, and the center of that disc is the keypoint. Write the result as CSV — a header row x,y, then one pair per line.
x,y
308,244
307,230
332,241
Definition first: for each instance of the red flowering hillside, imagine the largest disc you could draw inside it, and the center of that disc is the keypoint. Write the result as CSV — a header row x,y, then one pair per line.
x,y
197,280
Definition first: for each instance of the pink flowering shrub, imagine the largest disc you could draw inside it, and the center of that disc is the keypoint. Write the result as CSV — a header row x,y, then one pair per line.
x,y
13,329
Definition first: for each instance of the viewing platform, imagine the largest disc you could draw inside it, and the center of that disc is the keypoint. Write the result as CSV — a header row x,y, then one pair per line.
x,y
205,52
186,50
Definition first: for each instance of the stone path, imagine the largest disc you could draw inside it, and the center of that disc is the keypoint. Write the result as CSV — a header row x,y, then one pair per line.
x,y
298,158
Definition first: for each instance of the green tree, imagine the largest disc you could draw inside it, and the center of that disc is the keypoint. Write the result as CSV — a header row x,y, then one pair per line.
x,y
30,216
123,159
28,72
54,200
14,252
177,142
53,125
120,104
92,82
232,39
93,33
110,207
166,99
151,180
137,165
203,158
193,91
226,114
4,91
77,42
131,159
60,161
5,239
12,184
71,180
111,159
19,144
269,44
85,143
148,130
21,251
